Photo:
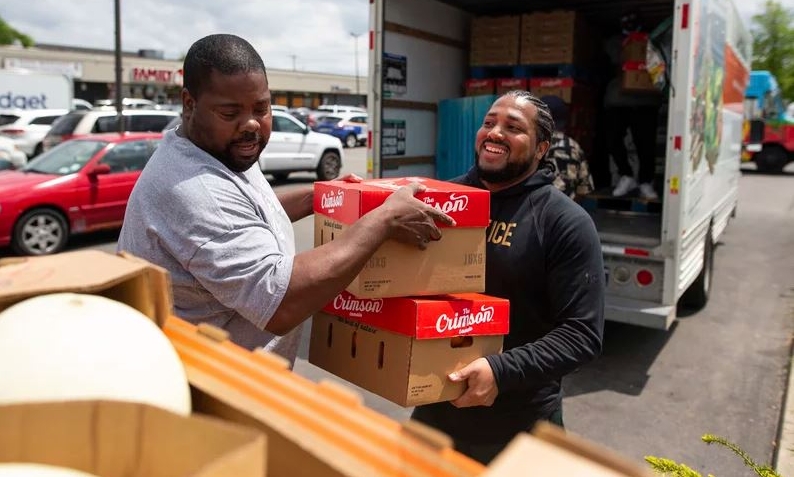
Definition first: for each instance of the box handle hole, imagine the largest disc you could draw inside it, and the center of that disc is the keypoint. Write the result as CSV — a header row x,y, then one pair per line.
x,y
330,334
381,347
461,342
353,345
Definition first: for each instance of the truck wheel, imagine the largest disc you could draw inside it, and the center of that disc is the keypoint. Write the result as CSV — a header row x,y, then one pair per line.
x,y
697,295
771,159
329,166
351,140
280,176
40,232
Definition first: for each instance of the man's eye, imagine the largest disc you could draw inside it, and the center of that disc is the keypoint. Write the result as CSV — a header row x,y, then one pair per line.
x,y
229,116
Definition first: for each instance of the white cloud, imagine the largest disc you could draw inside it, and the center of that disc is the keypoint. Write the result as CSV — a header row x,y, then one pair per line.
x,y
316,32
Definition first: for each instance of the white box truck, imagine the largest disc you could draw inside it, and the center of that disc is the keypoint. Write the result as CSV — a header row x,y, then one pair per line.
x,y
22,89
653,258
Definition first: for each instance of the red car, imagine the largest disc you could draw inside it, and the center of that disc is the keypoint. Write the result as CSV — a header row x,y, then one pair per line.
x,y
79,186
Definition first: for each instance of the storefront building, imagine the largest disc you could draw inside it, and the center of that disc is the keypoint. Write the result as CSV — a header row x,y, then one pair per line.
x,y
147,75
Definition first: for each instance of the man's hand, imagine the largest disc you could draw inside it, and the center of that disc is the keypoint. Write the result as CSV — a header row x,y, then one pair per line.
x,y
482,389
411,221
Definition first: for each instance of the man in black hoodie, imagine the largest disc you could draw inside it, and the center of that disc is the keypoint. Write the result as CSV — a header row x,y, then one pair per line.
x,y
544,255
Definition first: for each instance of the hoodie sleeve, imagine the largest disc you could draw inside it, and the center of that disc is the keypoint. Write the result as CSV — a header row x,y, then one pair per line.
x,y
575,290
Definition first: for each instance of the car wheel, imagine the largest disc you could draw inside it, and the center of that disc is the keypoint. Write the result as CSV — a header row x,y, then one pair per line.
x,y
351,140
329,166
280,176
40,232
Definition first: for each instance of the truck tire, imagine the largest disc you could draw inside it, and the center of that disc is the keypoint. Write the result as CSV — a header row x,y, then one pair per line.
x,y
771,159
351,141
697,295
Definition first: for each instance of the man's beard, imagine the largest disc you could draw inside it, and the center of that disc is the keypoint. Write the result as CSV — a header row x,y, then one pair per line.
x,y
508,173
241,164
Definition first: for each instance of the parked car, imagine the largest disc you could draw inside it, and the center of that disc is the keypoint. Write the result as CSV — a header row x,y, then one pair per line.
x,y
340,108
78,123
350,128
279,107
76,187
78,103
10,155
27,127
127,103
294,147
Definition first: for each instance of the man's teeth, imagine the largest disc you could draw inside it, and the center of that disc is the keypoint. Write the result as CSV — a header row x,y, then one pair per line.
x,y
495,149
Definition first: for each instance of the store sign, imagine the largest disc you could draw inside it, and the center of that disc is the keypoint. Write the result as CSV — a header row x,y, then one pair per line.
x,y
72,69
155,75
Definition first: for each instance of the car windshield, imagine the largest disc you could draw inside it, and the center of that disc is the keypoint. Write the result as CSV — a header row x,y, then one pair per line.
x,y
66,158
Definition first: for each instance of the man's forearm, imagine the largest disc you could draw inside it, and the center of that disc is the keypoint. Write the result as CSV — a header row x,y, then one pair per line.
x,y
297,202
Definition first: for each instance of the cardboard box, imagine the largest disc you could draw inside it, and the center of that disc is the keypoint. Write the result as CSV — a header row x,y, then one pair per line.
x,y
456,263
556,37
439,316
635,78
118,439
503,85
313,429
494,41
123,278
477,87
554,452
635,47
405,370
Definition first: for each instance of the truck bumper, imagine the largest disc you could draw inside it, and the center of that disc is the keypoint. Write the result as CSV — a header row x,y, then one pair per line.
x,y
640,313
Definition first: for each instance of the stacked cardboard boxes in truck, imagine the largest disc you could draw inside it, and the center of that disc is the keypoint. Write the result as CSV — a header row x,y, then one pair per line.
x,y
494,41
395,332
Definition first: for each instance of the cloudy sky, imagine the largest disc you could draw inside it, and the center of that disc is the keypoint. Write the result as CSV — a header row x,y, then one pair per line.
x,y
314,35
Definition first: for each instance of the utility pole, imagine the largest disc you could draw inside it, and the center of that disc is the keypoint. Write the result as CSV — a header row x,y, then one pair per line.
x,y
293,61
355,49
119,106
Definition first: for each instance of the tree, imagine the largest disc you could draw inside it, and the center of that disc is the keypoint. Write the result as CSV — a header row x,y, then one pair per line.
x,y
773,44
9,35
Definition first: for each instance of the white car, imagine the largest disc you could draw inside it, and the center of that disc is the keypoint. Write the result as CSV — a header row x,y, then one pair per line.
x,y
340,108
10,155
294,147
27,127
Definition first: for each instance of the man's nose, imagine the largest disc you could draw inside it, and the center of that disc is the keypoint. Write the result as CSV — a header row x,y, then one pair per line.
x,y
495,133
251,123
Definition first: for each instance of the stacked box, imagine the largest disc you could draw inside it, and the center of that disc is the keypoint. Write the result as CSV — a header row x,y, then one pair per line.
x,y
636,79
494,41
454,264
557,37
477,87
403,348
385,333
503,85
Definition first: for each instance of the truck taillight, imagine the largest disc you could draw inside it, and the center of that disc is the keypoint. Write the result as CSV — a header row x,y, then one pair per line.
x,y
644,277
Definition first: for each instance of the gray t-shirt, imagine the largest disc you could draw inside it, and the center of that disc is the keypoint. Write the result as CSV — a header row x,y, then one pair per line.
x,y
223,236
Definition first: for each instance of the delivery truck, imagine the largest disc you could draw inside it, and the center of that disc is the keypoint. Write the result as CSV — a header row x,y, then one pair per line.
x,y
23,89
454,56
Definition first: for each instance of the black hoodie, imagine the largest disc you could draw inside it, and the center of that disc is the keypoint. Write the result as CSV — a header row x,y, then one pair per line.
x,y
544,255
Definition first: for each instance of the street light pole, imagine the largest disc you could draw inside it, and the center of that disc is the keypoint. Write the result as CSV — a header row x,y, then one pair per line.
x,y
119,106
355,48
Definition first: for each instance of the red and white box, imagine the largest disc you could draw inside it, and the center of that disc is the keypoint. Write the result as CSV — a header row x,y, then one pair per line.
x,y
404,348
454,264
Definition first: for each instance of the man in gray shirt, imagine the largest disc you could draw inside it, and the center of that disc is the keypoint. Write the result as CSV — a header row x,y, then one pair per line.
x,y
201,210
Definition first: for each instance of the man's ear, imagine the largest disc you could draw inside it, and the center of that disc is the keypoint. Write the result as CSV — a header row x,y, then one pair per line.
x,y
542,149
188,102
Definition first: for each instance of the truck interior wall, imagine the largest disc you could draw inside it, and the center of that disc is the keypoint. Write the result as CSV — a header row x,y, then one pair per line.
x,y
430,36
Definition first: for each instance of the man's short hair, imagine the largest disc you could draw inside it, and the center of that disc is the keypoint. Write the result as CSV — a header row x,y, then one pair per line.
x,y
224,53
